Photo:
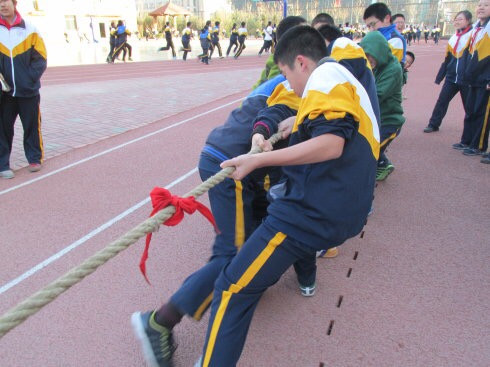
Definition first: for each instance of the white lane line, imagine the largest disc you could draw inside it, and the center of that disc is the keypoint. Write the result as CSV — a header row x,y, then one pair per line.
x,y
115,148
85,238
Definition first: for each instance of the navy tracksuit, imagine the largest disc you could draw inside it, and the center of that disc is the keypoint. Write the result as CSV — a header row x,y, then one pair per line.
x,y
304,216
238,206
478,76
22,63
453,69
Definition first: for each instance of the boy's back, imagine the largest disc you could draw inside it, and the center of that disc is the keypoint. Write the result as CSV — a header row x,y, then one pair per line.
x,y
389,79
333,196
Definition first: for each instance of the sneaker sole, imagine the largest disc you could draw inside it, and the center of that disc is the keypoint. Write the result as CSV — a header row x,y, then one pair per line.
x,y
385,174
139,331
304,294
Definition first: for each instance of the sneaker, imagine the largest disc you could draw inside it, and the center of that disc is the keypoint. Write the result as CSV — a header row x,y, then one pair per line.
x,y
7,174
330,253
156,341
382,172
430,129
130,59
459,146
486,158
307,291
34,167
472,151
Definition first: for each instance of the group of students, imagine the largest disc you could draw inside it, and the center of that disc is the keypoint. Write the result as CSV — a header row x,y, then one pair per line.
x,y
118,42
466,69
337,105
209,38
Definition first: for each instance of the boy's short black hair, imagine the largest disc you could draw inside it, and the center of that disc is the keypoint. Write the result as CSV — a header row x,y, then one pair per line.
x,y
300,40
397,15
288,23
410,53
189,24
330,32
216,23
322,18
243,24
378,10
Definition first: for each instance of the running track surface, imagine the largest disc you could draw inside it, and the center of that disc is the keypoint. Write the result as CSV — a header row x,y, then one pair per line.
x,y
413,291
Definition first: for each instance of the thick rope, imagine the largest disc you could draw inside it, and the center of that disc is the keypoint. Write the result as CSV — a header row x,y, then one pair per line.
x,y
18,314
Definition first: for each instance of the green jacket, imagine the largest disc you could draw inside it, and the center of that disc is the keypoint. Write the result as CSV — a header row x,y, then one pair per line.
x,y
271,70
389,78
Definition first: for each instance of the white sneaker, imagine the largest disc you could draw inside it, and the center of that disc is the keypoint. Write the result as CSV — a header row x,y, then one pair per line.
x,y
7,174
307,291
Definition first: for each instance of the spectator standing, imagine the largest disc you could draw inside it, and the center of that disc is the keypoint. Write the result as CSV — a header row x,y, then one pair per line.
x,y
22,68
453,69
478,77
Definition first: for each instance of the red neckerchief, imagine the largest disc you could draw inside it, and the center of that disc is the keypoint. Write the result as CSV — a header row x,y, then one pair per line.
x,y
17,21
160,199
478,29
459,34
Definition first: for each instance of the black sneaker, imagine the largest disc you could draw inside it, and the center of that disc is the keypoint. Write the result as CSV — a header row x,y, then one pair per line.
x,y
485,159
472,151
459,146
156,341
430,129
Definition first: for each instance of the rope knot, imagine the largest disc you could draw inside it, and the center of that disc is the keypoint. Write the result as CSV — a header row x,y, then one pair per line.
x,y
162,198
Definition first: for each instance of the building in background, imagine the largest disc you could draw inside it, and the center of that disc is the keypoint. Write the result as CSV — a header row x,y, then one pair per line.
x,y
77,20
200,8
417,12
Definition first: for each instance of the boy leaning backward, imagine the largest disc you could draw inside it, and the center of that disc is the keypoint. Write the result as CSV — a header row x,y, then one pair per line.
x,y
334,147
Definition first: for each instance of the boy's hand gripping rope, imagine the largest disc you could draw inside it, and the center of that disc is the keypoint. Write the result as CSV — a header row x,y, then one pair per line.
x,y
31,305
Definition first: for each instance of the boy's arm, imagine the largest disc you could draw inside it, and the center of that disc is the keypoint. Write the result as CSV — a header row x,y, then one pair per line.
x,y
318,149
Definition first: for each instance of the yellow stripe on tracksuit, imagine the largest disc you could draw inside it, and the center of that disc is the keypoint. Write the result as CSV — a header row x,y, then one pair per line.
x,y
239,216
388,139
484,127
244,280
41,145
204,305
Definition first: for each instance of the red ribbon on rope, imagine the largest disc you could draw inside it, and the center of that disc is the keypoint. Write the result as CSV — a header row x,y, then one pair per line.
x,y
160,199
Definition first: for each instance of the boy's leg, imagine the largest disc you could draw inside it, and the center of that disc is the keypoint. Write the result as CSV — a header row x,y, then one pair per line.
x,y
385,167
231,204
305,269
8,115
479,122
30,115
448,91
266,255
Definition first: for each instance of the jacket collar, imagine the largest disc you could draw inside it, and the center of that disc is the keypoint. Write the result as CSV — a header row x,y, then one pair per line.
x,y
18,21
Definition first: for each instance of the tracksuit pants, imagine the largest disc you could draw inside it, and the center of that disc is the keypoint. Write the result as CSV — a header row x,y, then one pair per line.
x,y
241,47
232,43
238,208
263,259
170,45
232,206
387,135
217,45
448,91
478,126
30,115
186,46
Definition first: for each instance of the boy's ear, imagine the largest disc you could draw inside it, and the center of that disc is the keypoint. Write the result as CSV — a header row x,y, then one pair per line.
x,y
301,62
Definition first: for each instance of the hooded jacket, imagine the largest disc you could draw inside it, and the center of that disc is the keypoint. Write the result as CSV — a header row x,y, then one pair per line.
x,y
23,57
397,42
389,79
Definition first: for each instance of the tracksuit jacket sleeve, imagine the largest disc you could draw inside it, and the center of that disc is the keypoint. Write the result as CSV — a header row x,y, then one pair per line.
x,y
38,62
268,119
